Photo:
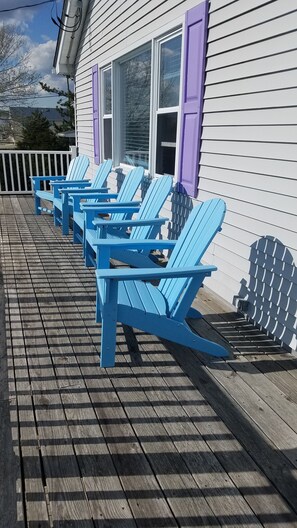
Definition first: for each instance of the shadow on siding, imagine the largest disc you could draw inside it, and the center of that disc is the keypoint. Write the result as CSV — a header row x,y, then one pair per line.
x,y
120,176
182,205
271,292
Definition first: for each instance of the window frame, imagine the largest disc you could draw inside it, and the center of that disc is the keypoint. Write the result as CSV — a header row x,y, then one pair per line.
x,y
154,45
103,115
118,124
157,43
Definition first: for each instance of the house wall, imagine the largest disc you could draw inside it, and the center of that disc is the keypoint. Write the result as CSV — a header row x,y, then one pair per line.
x,y
248,152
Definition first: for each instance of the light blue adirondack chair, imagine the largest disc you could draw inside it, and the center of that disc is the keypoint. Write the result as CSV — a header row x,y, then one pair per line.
x,y
76,172
63,200
123,296
146,225
128,189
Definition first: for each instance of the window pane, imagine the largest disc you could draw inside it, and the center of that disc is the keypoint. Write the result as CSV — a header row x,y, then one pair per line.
x,y
170,72
166,143
135,90
107,138
107,92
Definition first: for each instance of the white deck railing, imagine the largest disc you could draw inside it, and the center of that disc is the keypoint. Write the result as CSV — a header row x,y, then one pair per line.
x,y
17,167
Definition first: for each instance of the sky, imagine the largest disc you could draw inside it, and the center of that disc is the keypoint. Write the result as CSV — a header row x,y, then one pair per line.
x,y
40,34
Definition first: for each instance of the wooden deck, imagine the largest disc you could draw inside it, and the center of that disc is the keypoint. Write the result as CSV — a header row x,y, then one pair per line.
x,y
167,438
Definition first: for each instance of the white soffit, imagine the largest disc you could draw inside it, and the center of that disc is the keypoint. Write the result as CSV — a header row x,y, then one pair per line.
x,y
68,39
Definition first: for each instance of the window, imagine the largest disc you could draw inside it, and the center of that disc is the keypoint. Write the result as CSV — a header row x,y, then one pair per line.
x,y
135,91
169,60
145,88
107,113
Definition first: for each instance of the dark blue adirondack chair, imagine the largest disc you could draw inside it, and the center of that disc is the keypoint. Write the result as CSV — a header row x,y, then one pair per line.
x,y
124,296
128,189
63,200
76,172
146,225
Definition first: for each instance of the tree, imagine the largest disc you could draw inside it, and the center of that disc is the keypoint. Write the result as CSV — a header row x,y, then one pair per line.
x,y
65,106
16,78
37,134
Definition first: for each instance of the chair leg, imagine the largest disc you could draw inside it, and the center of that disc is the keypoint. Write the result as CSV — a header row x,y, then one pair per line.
x,y
56,216
194,314
37,205
187,337
88,252
180,332
76,232
109,327
65,219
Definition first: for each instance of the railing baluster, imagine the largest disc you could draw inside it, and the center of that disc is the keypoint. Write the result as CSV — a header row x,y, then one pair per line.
x,y
4,172
49,163
18,172
25,172
30,164
43,165
11,173
56,166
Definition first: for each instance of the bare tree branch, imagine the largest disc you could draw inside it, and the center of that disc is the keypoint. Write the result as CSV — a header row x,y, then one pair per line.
x,y
16,78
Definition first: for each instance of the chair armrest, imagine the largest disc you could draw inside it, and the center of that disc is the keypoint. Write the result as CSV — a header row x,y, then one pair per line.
x,y
150,274
119,209
65,184
47,178
98,222
96,205
36,180
126,243
87,191
97,197
81,191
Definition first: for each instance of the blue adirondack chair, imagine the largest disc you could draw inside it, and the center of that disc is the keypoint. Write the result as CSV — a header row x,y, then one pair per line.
x,y
128,189
63,200
146,225
123,296
76,172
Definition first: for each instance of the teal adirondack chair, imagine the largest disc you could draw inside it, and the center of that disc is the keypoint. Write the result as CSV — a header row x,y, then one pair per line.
x,y
146,225
124,296
76,172
128,189
63,200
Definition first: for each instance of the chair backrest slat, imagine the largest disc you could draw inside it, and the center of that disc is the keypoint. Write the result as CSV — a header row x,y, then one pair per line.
x,y
78,168
202,225
101,176
128,189
152,203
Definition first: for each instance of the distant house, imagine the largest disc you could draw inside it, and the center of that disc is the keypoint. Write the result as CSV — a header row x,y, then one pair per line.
x,y
18,114
6,139
208,93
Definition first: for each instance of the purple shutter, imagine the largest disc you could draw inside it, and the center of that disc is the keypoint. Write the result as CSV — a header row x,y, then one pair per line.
x,y
95,93
192,97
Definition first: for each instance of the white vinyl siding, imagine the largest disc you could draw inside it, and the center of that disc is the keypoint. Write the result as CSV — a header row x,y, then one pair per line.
x,y
249,136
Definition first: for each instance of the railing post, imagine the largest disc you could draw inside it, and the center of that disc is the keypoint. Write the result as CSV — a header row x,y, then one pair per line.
x,y
74,151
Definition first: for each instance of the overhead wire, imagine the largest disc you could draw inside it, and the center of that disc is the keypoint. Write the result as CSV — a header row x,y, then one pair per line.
x,y
27,5
64,27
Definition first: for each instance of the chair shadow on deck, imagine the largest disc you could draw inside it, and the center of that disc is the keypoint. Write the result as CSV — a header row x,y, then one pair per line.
x,y
269,296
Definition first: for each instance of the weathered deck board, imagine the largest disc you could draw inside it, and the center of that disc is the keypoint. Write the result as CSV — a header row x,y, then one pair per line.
x,y
166,438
